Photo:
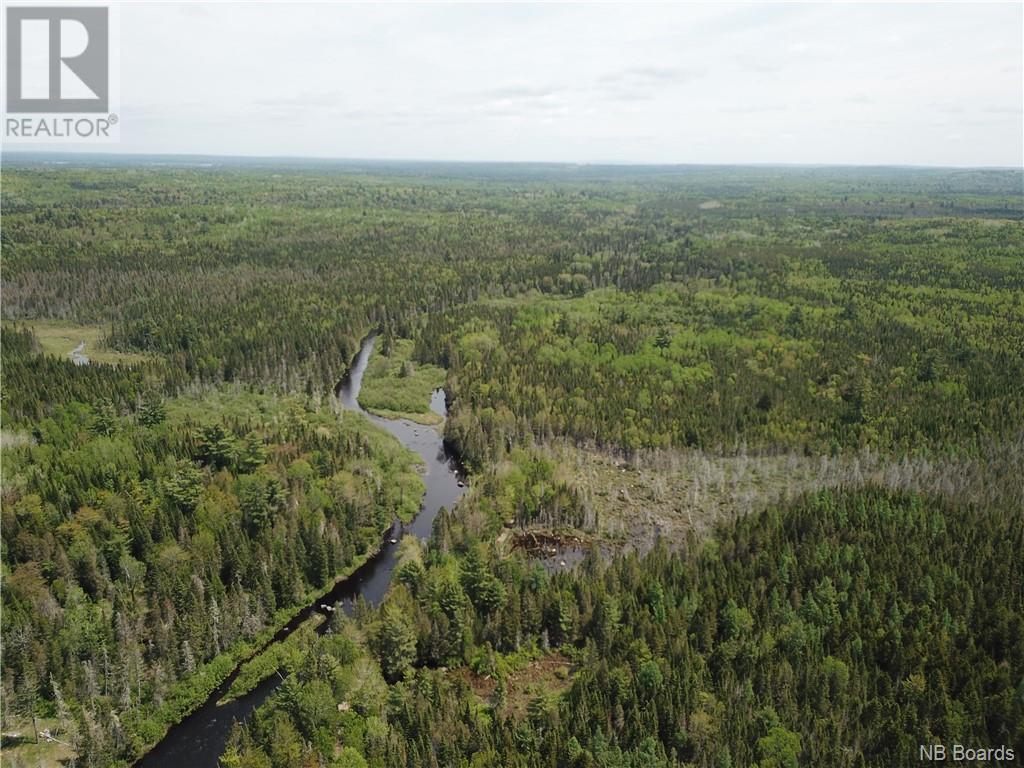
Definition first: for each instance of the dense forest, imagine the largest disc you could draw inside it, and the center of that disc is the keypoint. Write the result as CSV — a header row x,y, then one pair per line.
x,y
841,631
805,385
146,554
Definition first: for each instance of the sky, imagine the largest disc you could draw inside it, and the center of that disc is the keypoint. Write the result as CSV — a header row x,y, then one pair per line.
x,y
905,84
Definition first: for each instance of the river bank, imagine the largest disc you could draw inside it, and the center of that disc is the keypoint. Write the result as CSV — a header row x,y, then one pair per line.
x,y
198,739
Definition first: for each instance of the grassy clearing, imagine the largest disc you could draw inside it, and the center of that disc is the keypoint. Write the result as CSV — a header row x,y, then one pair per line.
x,y
20,749
14,439
288,652
396,387
59,339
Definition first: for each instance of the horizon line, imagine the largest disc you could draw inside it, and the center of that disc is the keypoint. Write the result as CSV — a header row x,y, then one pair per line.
x,y
434,161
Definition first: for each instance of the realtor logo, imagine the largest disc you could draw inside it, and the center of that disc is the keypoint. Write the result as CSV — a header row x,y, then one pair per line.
x,y
62,78
58,60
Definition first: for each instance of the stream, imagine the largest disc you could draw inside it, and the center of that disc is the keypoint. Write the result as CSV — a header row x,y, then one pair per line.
x,y
199,739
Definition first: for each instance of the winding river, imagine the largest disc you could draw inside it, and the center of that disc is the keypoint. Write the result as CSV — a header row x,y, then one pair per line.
x,y
198,740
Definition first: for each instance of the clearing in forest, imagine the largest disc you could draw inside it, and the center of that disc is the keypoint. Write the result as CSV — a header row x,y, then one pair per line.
x,y
395,387
62,339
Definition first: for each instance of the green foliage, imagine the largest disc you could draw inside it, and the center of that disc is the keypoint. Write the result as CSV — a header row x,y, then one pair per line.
x,y
395,386
285,655
849,617
161,516
785,354
155,552
779,749
394,643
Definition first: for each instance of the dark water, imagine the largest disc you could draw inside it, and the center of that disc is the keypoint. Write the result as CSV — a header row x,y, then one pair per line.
x,y
198,740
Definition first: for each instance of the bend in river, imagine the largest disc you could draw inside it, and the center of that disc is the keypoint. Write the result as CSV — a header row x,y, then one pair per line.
x,y
199,739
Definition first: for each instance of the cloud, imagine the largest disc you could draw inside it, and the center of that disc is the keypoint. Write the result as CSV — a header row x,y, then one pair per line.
x,y
754,109
652,75
758,65
517,92
642,83
630,83
319,100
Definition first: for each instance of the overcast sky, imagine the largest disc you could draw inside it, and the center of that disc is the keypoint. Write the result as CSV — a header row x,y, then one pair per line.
x,y
929,84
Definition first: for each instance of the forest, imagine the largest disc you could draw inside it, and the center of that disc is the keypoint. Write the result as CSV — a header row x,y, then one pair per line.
x,y
771,419
839,631
155,550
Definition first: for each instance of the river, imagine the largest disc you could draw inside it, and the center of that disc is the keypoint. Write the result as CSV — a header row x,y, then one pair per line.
x,y
198,740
